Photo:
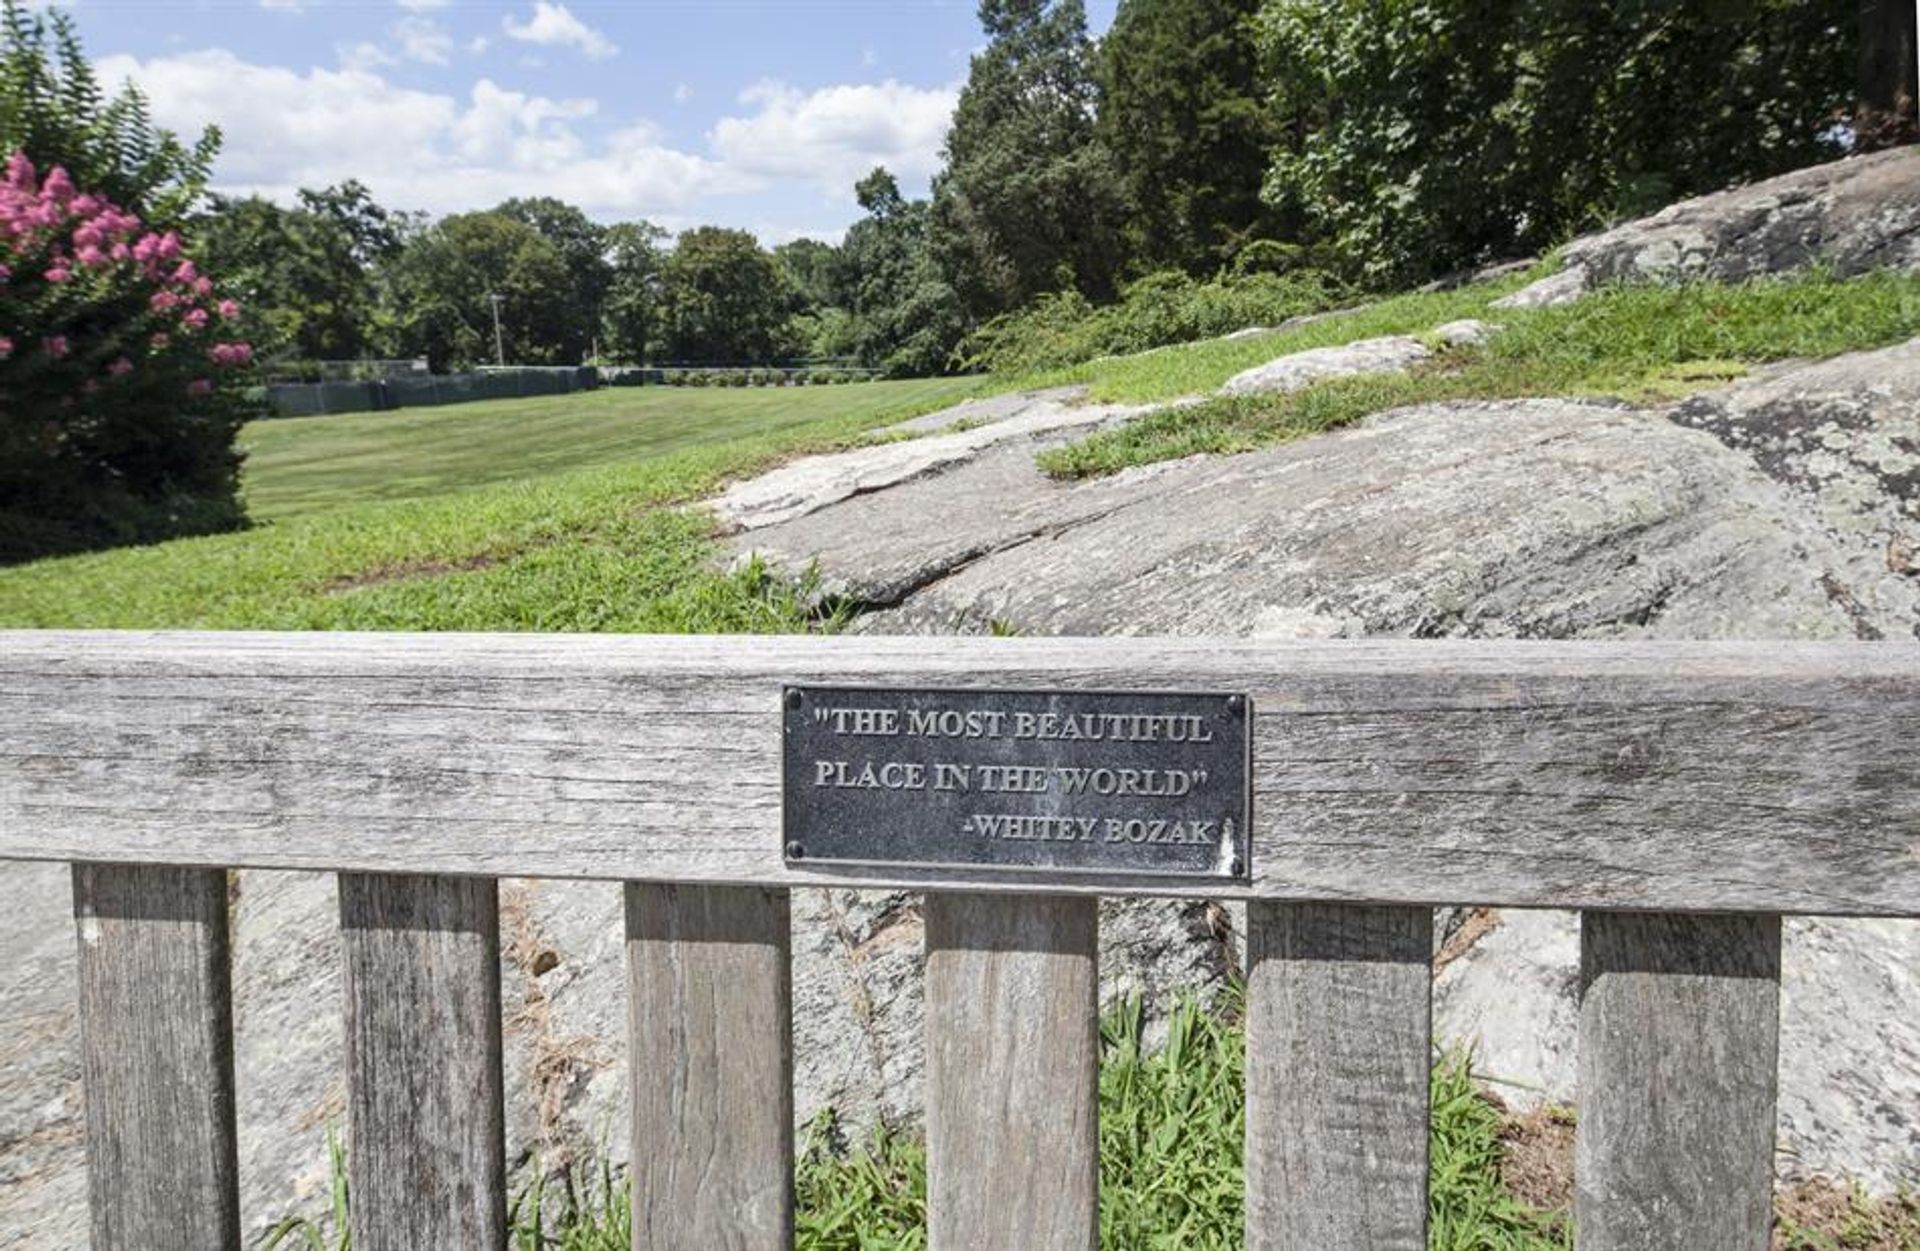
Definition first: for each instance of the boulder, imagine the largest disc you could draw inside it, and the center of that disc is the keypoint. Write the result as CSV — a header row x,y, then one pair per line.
x,y
1852,216
1296,370
1843,437
1467,332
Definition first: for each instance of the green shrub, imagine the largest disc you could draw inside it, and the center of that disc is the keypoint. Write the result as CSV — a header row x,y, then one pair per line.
x,y
120,390
1168,307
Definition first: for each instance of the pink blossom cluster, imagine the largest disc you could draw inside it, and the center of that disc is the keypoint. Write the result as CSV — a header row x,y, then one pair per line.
x,y
49,225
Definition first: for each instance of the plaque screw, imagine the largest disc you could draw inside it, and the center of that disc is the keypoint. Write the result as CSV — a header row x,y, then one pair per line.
x,y
793,699
796,852
1237,705
1235,867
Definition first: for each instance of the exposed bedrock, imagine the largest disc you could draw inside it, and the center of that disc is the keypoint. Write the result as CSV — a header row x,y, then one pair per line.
x,y
1852,216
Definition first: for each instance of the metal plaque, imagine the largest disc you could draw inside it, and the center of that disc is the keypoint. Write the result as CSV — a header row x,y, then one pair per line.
x,y
1028,782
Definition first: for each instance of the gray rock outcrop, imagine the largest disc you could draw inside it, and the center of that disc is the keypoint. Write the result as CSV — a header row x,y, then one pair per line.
x,y
1852,215
812,482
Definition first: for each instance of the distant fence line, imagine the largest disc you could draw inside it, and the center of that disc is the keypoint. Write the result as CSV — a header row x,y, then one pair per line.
x,y
375,395
421,389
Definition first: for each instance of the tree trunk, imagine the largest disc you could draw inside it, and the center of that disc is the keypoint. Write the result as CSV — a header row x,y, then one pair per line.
x,y
1889,63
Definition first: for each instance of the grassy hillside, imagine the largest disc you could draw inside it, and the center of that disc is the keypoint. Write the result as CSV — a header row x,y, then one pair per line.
x,y
305,465
1634,343
545,514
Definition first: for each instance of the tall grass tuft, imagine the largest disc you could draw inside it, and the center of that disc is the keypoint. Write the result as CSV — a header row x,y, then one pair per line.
x,y
1172,1121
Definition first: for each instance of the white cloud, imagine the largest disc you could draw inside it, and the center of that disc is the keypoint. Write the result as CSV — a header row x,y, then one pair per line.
x,y
364,56
833,136
553,25
682,92
423,40
421,6
449,151
478,44
284,6
416,39
417,149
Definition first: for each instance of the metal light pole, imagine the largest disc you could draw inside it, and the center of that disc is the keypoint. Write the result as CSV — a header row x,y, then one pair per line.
x,y
499,350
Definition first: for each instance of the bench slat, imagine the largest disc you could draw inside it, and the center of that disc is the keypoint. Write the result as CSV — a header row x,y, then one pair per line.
x,y
156,1024
1013,1047
1339,1043
1679,1062
1711,777
711,1057
426,1151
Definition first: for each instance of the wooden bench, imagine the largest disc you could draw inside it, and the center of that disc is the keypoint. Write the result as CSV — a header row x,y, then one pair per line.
x,y
1682,797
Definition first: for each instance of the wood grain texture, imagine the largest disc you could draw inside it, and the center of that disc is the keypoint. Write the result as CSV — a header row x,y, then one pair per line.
x,y
156,1028
1709,777
1013,1153
1679,1060
710,1033
426,1149
1339,1041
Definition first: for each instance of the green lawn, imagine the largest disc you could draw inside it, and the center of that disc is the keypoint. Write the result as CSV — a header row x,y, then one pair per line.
x,y
513,528
302,465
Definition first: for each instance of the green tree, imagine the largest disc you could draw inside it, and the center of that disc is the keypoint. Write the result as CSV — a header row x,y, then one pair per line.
x,y
725,304
582,245
819,325
1422,136
305,275
52,108
1028,201
630,315
808,269
440,291
1181,110
906,319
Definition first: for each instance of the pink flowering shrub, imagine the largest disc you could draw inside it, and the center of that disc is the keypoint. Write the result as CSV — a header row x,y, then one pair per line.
x,y
122,377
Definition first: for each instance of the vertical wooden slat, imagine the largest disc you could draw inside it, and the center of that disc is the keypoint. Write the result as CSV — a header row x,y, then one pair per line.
x,y
426,1151
1013,1155
1339,1043
156,1021
1679,1062
709,1009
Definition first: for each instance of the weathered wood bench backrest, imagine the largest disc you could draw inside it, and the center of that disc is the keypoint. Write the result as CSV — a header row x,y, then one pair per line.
x,y
1682,797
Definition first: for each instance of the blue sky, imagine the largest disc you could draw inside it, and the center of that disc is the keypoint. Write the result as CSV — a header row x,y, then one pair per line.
x,y
750,113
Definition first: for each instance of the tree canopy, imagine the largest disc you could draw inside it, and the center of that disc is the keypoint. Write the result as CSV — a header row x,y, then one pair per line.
x,y
1421,137
1184,115
724,303
1029,201
442,289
